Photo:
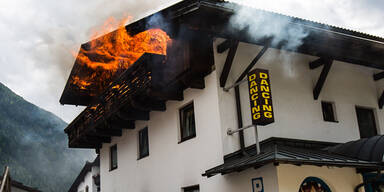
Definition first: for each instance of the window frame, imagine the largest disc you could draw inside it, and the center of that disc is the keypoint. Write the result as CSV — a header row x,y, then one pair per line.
x,y
181,122
191,188
333,108
317,180
140,155
111,148
375,119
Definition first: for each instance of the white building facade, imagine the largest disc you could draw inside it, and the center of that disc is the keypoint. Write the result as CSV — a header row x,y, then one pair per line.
x,y
172,165
88,179
186,147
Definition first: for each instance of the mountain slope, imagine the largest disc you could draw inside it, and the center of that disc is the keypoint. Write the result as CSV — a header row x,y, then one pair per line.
x,y
33,144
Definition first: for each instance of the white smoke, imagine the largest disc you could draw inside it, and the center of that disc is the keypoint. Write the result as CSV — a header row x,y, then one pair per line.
x,y
38,38
261,24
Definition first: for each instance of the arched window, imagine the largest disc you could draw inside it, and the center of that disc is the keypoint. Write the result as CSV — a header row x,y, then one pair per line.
x,y
314,184
86,189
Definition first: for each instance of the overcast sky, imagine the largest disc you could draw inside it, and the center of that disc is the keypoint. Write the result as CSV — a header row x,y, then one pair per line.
x,y
38,36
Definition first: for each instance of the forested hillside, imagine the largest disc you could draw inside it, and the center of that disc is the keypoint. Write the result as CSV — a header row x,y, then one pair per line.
x,y
34,145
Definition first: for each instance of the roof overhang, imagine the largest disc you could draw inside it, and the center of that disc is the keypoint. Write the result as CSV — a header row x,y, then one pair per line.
x,y
290,151
212,17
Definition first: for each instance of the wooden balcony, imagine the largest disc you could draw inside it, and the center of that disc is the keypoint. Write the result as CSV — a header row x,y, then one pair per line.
x,y
143,87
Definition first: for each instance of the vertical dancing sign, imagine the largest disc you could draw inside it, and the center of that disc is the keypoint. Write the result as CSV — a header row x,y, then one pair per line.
x,y
260,97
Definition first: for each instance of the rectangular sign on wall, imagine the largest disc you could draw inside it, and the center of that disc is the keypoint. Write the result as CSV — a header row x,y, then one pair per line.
x,y
260,97
257,185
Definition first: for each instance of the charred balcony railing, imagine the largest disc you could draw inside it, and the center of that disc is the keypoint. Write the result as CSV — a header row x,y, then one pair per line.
x,y
145,86
137,81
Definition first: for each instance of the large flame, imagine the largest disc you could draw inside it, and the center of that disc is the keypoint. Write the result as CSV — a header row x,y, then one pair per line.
x,y
114,52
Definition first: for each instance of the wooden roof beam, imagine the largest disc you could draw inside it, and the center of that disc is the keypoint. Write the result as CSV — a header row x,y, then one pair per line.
x,y
378,76
173,93
198,83
254,61
322,78
96,139
145,104
317,63
118,123
128,114
224,46
228,62
381,101
107,132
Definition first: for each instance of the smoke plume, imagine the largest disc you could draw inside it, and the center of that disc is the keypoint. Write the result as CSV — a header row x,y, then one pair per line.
x,y
261,24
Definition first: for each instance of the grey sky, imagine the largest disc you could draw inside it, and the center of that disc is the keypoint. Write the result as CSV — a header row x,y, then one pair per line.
x,y
37,36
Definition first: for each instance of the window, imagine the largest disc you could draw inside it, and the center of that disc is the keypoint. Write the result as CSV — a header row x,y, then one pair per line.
x,y
194,188
143,143
314,184
113,157
366,121
187,123
328,111
86,189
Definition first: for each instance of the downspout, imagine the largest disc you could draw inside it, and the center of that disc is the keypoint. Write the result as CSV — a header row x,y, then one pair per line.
x,y
240,119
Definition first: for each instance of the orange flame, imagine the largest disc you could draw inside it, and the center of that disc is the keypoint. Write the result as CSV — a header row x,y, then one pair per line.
x,y
81,83
117,51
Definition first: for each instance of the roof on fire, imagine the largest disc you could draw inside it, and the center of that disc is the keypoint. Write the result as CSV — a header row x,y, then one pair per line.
x,y
322,40
290,151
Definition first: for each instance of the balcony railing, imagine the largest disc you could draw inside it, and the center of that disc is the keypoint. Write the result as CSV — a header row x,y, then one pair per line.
x,y
137,81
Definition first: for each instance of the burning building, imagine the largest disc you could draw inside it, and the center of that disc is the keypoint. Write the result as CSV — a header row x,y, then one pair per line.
x,y
169,109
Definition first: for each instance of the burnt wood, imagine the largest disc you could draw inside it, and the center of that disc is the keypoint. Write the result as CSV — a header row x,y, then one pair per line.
x,y
254,61
228,62
340,44
224,46
146,104
118,123
197,83
322,78
96,139
85,145
378,76
381,101
107,132
130,114
173,93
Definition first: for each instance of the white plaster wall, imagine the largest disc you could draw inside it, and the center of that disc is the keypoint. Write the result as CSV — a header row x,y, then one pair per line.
x,y
338,179
242,181
169,165
95,172
297,114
